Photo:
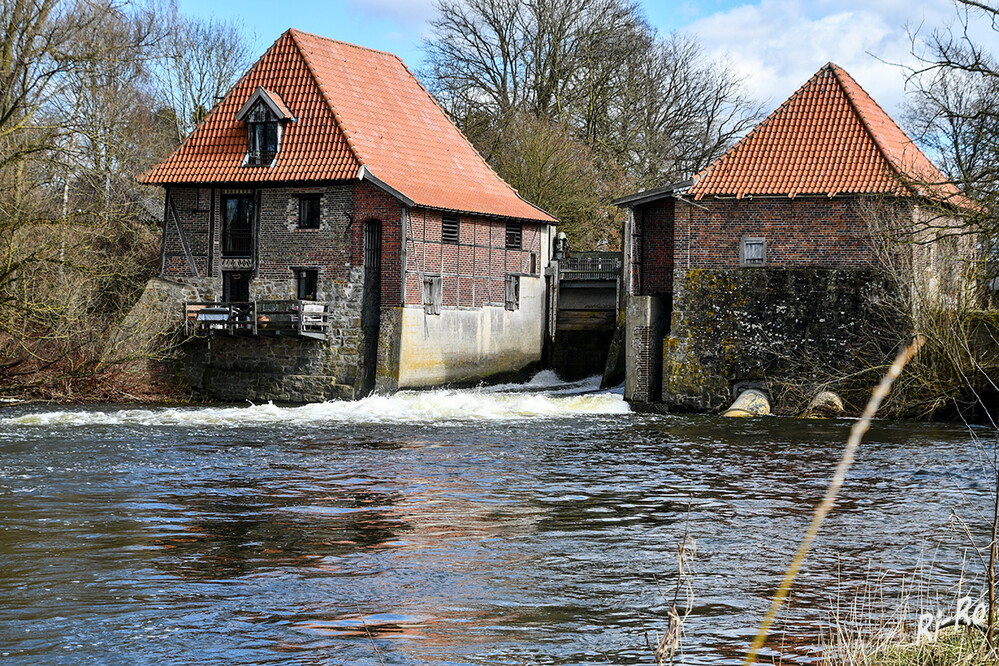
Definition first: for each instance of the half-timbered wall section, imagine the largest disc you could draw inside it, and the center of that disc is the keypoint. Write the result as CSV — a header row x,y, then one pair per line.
x,y
473,270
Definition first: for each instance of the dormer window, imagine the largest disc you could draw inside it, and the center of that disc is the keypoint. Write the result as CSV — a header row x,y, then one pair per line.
x,y
262,139
265,116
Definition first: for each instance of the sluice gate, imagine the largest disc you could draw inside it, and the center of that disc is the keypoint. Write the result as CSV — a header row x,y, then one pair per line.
x,y
585,302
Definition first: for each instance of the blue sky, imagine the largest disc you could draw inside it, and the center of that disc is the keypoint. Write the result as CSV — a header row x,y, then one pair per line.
x,y
775,44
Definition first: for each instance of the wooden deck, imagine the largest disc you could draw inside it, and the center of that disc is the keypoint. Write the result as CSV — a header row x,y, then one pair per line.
x,y
301,319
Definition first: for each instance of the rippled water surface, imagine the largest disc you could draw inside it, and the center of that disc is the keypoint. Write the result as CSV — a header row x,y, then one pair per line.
x,y
516,525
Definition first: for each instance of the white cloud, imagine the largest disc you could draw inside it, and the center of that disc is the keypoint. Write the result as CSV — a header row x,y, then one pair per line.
x,y
779,44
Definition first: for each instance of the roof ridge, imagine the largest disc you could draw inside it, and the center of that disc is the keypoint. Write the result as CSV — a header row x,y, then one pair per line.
x,y
842,79
296,31
291,32
728,154
465,138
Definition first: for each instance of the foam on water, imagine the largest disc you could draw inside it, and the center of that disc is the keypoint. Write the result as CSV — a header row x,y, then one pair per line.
x,y
545,396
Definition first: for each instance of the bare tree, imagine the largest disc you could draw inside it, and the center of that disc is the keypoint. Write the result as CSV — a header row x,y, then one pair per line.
x,y
77,242
647,109
198,62
552,168
955,108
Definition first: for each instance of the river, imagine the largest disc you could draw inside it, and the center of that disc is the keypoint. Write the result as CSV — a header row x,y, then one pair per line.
x,y
529,524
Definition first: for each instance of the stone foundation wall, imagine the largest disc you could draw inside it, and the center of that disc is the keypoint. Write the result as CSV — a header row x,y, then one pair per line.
x,y
776,328
286,369
262,369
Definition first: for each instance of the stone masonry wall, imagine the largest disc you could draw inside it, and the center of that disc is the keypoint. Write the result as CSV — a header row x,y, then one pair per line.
x,y
297,370
777,328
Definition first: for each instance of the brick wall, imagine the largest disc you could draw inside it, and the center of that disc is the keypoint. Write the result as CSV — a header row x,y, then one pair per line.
x,y
281,245
652,269
473,271
815,232
192,205
370,203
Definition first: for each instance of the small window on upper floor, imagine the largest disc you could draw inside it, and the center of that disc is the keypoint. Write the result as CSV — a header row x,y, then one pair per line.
x,y
309,211
265,116
449,229
753,251
514,235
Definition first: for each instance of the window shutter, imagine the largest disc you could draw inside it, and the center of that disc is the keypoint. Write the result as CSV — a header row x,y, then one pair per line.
x,y
432,294
512,300
753,252
449,229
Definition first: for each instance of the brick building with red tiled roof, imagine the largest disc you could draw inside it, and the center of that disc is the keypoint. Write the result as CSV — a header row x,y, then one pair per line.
x,y
368,239
766,255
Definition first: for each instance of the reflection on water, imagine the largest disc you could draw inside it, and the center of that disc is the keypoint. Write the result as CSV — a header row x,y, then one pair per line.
x,y
516,524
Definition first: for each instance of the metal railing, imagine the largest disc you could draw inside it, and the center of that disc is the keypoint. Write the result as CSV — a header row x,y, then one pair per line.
x,y
593,266
237,242
306,319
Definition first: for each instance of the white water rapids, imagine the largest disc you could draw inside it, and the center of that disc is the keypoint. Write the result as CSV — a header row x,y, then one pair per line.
x,y
544,396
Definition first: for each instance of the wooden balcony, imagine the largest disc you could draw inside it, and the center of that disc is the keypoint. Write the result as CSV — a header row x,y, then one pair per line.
x,y
300,319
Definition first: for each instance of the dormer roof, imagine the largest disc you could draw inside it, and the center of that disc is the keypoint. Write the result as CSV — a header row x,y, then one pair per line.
x,y
270,99
830,137
359,113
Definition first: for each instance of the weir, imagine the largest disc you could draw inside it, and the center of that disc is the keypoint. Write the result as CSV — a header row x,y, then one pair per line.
x,y
587,299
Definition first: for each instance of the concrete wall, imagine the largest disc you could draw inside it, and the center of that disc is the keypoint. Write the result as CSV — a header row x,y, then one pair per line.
x,y
644,328
468,344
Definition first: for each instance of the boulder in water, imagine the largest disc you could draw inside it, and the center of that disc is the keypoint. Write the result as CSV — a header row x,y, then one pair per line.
x,y
825,404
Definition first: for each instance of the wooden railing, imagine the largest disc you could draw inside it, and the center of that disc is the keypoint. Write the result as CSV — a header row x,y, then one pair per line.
x,y
305,319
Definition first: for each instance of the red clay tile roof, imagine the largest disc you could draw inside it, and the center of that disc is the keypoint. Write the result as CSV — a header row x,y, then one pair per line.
x,y
354,107
830,137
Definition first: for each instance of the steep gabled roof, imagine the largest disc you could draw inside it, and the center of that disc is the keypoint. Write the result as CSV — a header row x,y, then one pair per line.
x,y
354,107
830,137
